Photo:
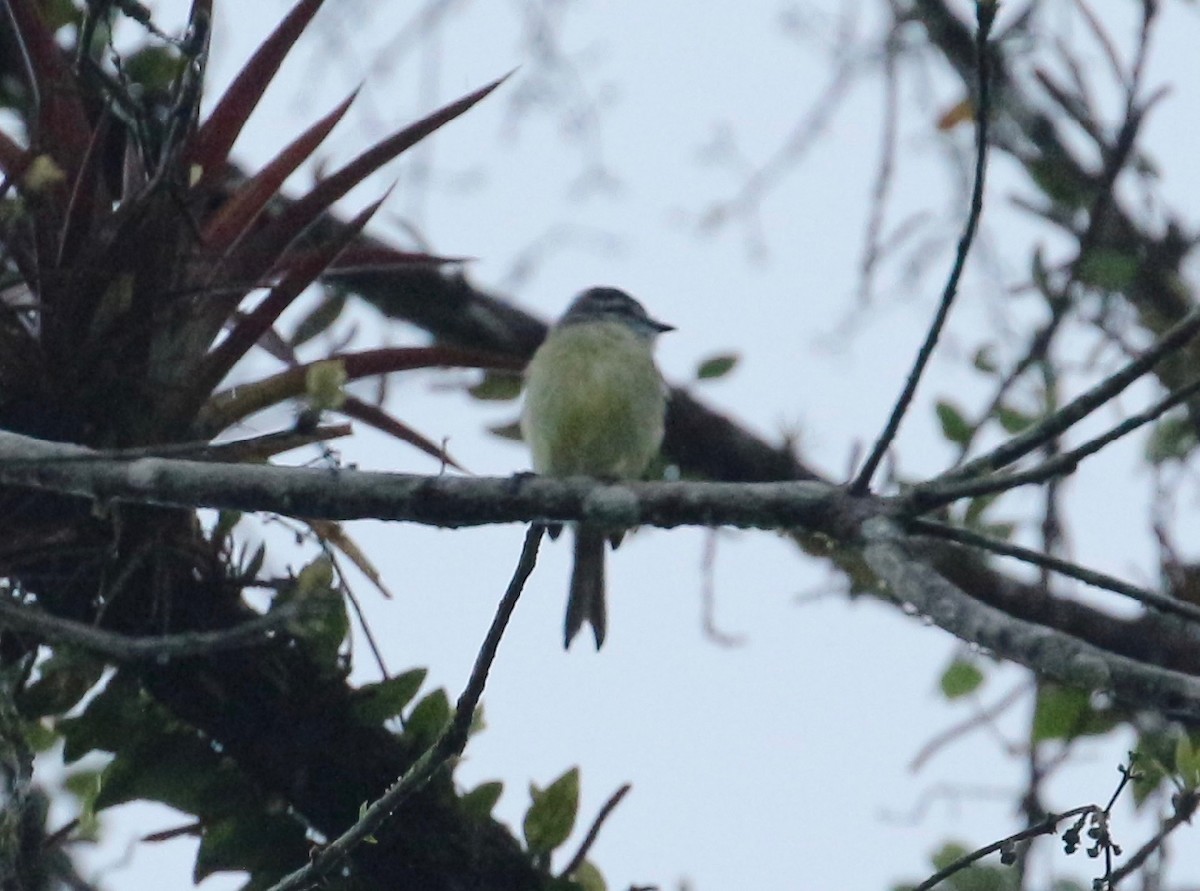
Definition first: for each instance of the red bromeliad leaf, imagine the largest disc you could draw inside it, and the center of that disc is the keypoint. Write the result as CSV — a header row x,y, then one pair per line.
x,y
255,324
381,420
380,258
61,128
388,359
243,207
13,158
236,404
279,233
335,535
210,148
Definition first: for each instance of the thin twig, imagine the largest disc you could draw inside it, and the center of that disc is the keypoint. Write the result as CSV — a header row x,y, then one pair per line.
x,y
1104,40
594,832
1072,570
1039,348
708,594
804,133
1185,806
195,828
124,648
447,747
936,495
1045,827
985,15
256,448
358,613
1080,407
983,717
884,171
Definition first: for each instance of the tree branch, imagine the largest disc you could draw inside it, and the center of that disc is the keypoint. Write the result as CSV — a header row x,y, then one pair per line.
x,y
125,648
1091,577
822,512
315,493
1060,657
985,14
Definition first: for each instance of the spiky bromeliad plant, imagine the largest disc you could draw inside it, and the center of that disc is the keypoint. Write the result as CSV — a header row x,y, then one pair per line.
x,y
137,272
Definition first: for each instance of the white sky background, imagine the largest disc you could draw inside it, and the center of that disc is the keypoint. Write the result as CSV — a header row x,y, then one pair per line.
x,y
782,762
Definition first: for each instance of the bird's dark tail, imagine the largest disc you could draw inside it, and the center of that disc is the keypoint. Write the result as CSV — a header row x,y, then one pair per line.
x,y
585,603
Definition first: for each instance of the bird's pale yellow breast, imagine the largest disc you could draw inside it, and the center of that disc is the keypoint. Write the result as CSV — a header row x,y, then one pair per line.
x,y
594,402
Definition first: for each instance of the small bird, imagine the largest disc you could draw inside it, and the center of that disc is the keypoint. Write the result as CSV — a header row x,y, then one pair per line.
x,y
594,406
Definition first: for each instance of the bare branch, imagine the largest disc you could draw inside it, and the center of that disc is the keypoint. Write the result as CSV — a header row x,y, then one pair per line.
x,y
594,832
1061,657
123,648
1186,803
1063,567
1049,826
338,494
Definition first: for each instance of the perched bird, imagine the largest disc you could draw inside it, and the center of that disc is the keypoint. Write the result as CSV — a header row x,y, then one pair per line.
x,y
594,406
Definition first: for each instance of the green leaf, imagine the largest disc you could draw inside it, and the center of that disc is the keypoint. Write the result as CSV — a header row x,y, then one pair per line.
x,y
1107,269
118,715
376,703
949,853
717,366
1067,713
273,844
1013,421
984,361
954,426
428,719
1040,273
551,816
510,431
321,318
1060,184
1002,531
154,67
479,801
59,13
588,877
1059,713
63,680
248,568
980,876
976,508
1153,750
178,769
1187,762
1173,439
960,678
325,385
326,622
83,784
40,737
226,521
497,386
